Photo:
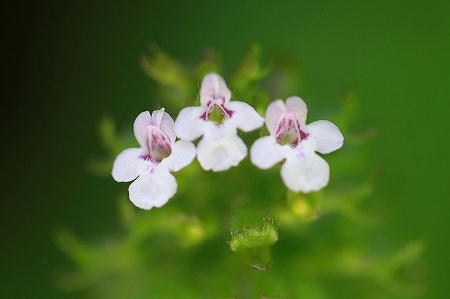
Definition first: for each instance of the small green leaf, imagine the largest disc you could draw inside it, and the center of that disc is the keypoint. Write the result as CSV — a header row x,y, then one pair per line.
x,y
173,81
349,111
249,73
107,132
209,64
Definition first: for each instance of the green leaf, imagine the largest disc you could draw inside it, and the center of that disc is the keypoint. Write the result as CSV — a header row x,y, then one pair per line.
x,y
248,74
209,64
349,111
173,81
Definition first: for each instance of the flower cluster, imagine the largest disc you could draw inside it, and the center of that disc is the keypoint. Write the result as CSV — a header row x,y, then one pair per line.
x,y
216,121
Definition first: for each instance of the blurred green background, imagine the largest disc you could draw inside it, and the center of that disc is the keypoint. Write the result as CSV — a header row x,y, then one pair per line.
x,y
68,63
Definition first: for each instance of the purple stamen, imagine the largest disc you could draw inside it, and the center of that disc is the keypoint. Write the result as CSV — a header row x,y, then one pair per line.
x,y
228,111
146,157
303,135
289,131
204,116
218,99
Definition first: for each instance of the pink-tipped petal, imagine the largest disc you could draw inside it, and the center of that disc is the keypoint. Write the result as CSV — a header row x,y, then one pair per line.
x,y
298,107
273,114
214,88
140,127
164,121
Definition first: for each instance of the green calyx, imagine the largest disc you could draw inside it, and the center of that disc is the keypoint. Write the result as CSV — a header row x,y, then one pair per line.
x,y
216,115
254,238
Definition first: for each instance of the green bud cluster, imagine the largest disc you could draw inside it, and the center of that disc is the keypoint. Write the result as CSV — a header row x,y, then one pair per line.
x,y
254,238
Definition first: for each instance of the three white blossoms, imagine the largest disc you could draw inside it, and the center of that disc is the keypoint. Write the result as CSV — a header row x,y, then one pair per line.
x,y
217,119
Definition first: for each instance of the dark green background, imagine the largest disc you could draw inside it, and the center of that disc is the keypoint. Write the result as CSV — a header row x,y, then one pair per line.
x,y
69,62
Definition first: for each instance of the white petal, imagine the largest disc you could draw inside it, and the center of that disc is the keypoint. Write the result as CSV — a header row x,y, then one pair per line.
x,y
306,173
266,152
245,116
188,124
297,106
221,153
214,87
140,127
327,136
152,190
127,164
273,115
183,152
164,121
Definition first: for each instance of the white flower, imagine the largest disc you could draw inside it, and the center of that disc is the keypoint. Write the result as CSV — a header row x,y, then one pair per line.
x,y
217,119
152,162
295,142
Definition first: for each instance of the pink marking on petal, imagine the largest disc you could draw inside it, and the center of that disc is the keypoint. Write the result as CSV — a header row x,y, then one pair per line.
x,y
204,116
303,135
289,130
228,111
158,144
219,102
